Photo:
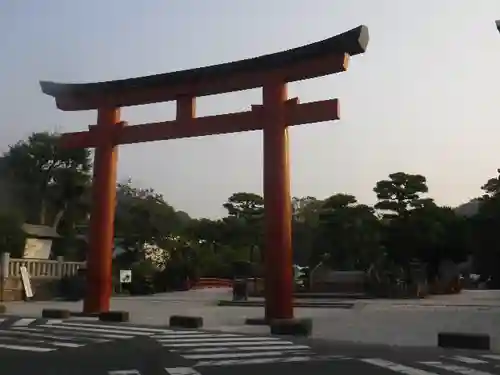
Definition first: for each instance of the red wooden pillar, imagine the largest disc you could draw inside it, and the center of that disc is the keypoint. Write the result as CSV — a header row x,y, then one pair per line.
x,y
100,255
277,204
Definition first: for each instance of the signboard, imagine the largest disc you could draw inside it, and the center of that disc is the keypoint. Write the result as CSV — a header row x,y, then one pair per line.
x,y
25,277
125,276
37,248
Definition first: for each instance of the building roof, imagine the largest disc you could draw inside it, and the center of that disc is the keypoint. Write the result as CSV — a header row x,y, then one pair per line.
x,y
40,231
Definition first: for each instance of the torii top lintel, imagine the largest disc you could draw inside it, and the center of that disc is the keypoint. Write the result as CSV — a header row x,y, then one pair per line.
x,y
313,60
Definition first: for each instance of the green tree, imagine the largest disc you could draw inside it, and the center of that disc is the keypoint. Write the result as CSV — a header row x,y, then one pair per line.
x,y
348,233
400,194
305,222
435,234
247,206
244,223
49,180
485,225
143,217
397,198
12,237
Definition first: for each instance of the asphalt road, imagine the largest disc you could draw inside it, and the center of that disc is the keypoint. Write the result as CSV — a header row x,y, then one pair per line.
x,y
53,347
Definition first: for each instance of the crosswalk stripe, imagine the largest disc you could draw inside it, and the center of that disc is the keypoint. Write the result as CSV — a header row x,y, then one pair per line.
x,y
234,355
54,321
456,369
468,360
145,330
23,322
45,336
253,361
96,330
234,343
396,367
193,336
84,334
34,341
248,348
223,339
26,348
491,356
181,371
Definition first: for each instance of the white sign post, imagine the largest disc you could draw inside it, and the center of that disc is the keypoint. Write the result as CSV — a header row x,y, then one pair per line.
x,y
125,276
25,277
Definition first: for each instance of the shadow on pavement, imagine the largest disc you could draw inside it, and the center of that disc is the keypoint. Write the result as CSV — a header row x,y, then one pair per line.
x,y
140,353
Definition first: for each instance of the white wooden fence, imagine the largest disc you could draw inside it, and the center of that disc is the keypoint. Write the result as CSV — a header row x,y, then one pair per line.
x,y
38,267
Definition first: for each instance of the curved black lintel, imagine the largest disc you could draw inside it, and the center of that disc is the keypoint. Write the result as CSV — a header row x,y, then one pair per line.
x,y
352,42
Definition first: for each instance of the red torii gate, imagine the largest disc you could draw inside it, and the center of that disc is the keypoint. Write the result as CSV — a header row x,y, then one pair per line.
x,y
277,112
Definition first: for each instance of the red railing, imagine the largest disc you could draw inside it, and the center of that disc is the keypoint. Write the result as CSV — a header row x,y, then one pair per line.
x,y
212,282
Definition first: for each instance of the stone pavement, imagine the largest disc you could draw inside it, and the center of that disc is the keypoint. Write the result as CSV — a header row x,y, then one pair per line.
x,y
403,322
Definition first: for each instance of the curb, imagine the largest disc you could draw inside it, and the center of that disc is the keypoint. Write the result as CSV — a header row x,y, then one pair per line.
x,y
56,314
182,321
256,321
293,327
114,316
80,314
331,305
464,340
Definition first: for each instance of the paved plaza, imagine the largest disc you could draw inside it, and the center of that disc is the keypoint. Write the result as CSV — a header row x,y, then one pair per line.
x,y
388,322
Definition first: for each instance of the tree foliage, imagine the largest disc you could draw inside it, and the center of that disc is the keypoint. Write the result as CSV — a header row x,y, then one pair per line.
x,y
49,181
46,184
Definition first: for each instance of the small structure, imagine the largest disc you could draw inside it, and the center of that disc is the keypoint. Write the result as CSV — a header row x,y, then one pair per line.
x,y
39,240
324,279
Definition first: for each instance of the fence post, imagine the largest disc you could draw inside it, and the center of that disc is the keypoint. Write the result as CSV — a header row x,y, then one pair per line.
x,y
4,262
4,272
60,264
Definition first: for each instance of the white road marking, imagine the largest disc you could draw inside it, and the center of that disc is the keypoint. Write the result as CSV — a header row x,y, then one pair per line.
x,y
95,330
54,321
182,371
26,348
253,361
23,322
124,372
396,367
235,355
457,369
491,356
79,334
19,332
249,348
148,331
223,339
469,360
234,343
194,335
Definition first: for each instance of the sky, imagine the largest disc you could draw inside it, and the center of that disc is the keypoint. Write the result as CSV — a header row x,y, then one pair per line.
x,y
423,99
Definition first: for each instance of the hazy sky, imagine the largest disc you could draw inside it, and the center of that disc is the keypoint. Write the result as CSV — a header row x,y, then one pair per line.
x,y
423,99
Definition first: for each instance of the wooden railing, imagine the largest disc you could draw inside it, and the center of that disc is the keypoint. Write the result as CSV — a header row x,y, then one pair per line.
x,y
40,267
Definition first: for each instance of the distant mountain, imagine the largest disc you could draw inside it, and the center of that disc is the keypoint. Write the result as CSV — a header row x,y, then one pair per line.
x,y
468,209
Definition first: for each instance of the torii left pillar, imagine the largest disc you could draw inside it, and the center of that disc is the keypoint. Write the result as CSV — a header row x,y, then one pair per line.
x,y
101,241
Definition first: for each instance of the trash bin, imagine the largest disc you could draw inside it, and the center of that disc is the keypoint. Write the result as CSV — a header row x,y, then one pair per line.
x,y
240,290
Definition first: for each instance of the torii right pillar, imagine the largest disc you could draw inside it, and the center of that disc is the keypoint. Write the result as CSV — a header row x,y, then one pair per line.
x,y
277,203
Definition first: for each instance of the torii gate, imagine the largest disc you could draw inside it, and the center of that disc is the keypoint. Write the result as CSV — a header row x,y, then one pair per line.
x,y
277,112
